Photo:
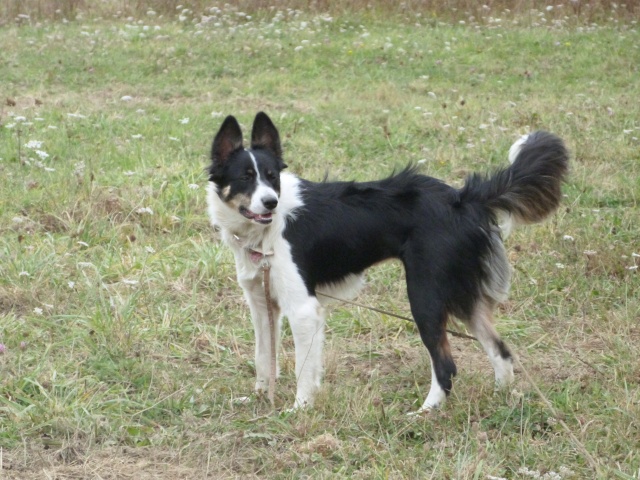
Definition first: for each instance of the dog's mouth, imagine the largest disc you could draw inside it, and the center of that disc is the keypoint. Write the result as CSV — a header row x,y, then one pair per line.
x,y
263,218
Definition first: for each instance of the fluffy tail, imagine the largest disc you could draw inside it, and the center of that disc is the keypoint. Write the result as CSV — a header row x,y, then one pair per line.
x,y
529,189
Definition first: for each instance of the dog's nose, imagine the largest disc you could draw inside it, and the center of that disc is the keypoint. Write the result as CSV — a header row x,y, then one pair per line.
x,y
270,203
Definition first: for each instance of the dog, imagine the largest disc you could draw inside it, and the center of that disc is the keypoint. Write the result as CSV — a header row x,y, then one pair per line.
x,y
321,237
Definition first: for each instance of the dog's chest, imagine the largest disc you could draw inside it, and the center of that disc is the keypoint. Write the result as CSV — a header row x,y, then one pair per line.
x,y
287,285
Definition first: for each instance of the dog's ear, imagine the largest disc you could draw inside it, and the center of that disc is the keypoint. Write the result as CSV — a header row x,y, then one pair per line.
x,y
227,140
265,135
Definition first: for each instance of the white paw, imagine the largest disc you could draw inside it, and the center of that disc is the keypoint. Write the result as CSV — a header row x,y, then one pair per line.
x,y
425,409
262,387
421,412
504,374
300,404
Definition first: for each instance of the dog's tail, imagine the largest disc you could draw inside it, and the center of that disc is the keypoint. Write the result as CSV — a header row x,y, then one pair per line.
x,y
529,189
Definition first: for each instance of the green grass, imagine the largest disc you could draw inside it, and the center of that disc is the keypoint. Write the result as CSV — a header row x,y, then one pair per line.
x,y
127,340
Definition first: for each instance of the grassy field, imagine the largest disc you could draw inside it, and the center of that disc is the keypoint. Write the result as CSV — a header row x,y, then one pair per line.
x,y
126,347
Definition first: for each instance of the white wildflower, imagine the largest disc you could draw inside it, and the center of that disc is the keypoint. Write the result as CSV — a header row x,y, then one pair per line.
x,y
143,210
33,144
566,472
560,265
529,473
193,186
42,154
24,274
136,136
551,476
150,249
37,311
126,98
184,121
71,284
79,168
568,238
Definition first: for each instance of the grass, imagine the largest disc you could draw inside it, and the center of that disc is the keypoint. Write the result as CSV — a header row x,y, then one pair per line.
x,y
127,343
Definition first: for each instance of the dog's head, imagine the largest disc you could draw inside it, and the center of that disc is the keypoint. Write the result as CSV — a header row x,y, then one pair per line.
x,y
248,180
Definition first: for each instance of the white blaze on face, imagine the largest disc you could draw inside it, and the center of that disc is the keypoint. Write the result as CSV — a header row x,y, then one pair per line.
x,y
262,192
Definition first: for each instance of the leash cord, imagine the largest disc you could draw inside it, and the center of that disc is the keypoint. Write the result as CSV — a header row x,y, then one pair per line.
x,y
272,333
367,307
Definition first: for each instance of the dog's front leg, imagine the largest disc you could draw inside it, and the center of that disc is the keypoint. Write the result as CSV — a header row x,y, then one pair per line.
x,y
307,325
254,293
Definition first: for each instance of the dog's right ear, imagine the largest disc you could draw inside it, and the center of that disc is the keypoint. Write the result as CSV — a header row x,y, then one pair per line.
x,y
227,140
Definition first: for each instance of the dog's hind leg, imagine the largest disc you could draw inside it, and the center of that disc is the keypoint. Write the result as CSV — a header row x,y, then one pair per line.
x,y
481,325
431,318
254,293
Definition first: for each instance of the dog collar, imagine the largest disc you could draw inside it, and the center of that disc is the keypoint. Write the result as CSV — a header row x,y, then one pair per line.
x,y
256,254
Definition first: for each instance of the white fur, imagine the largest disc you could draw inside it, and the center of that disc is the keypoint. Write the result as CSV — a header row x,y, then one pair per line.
x,y
516,147
505,221
436,397
482,327
262,191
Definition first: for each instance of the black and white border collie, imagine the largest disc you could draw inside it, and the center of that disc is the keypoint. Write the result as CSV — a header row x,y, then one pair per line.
x,y
321,237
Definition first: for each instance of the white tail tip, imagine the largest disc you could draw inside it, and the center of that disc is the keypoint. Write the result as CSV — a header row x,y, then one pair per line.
x,y
515,148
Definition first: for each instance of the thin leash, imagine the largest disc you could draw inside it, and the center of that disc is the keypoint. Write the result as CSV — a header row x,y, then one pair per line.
x,y
390,314
266,269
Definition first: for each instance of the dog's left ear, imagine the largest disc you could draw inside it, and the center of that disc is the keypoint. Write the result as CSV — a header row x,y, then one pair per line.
x,y
265,135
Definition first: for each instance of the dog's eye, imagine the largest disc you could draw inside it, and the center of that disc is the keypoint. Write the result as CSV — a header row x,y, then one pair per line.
x,y
271,175
245,178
